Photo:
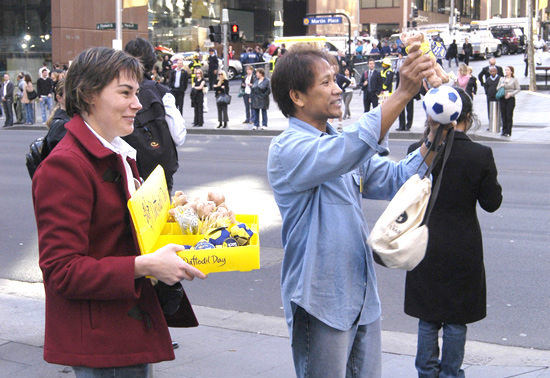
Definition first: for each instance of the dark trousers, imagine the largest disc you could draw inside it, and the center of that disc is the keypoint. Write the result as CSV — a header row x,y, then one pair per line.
x,y
507,106
455,58
8,111
178,95
368,99
247,108
222,113
199,114
212,79
467,59
409,110
19,111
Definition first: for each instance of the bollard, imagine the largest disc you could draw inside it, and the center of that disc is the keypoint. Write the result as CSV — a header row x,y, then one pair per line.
x,y
494,116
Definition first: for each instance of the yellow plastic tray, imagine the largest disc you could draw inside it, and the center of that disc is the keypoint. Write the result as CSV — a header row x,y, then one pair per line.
x,y
149,210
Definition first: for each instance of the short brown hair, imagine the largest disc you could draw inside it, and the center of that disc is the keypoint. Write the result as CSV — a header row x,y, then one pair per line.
x,y
91,71
296,70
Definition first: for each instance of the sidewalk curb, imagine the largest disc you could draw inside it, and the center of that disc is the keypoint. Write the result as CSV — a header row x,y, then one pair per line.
x,y
398,343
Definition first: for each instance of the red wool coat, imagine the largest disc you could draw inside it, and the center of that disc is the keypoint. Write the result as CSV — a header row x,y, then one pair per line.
x,y
97,314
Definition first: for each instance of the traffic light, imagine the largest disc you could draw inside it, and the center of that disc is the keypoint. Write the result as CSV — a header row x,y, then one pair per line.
x,y
235,33
414,24
215,34
458,18
415,12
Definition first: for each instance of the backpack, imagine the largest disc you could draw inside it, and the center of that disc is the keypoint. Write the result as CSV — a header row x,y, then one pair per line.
x,y
34,156
151,137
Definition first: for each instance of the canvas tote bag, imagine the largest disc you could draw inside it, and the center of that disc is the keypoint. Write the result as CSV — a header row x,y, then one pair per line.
x,y
400,236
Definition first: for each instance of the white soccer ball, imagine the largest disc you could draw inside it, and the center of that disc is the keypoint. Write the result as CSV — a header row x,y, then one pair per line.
x,y
443,104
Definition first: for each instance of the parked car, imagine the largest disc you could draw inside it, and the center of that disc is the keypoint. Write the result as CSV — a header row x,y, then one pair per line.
x,y
235,67
510,37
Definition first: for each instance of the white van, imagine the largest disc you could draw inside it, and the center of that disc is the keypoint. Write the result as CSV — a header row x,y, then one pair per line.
x,y
317,41
483,43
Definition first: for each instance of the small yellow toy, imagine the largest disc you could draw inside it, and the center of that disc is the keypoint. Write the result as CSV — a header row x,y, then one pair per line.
x,y
411,37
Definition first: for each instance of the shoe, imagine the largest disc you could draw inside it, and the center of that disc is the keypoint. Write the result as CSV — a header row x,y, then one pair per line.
x,y
219,126
197,125
175,345
505,135
263,128
255,128
224,125
245,122
400,129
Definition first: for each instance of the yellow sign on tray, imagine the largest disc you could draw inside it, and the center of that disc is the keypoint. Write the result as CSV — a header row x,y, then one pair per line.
x,y
149,210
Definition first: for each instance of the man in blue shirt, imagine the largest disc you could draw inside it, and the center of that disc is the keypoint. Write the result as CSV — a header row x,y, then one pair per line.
x,y
319,177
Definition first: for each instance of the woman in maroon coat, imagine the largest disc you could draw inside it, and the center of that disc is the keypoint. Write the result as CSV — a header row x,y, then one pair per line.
x,y
447,289
101,310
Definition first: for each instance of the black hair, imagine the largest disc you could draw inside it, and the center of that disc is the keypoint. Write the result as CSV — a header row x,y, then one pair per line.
x,y
144,51
296,70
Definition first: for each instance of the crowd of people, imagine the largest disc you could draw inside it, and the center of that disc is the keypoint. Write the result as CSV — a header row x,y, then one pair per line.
x,y
20,96
109,99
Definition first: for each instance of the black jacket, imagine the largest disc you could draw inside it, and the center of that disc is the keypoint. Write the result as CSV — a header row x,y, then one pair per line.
x,y
376,82
484,74
56,132
184,78
449,284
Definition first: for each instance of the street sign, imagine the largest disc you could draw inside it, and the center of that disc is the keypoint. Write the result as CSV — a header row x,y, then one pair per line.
x,y
322,20
112,26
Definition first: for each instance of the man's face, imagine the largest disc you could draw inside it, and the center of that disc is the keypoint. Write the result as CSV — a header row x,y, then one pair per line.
x,y
44,73
322,100
371,65
492,61
6,77
493,71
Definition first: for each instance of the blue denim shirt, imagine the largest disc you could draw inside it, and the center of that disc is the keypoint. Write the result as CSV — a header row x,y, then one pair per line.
x,y
317,179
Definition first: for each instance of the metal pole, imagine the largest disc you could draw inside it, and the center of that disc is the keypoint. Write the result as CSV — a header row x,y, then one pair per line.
x,y
531,47
452,16
117,42
225,21
405,15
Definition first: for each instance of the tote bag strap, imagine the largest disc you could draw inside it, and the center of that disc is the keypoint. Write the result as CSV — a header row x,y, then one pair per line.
x,y
446,150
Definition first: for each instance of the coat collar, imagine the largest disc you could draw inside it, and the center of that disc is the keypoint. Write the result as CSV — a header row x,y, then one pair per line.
x,y
78,129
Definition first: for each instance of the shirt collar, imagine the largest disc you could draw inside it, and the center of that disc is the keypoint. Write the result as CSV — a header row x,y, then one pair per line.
x,y
297,124
118,145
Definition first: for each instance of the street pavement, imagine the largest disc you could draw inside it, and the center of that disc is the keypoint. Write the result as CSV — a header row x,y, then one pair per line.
x,y
233,344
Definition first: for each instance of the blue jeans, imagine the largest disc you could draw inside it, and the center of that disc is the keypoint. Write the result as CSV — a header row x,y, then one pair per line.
x,y
427,361
29,113
135,371
320,351
257,117
46,102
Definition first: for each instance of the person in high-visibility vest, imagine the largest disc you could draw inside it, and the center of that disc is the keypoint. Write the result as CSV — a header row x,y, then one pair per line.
x,y
387,79
273,60
387,75
196,63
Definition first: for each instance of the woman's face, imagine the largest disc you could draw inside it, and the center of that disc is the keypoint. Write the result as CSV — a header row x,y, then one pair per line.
x,y
112,111
259,75
508,71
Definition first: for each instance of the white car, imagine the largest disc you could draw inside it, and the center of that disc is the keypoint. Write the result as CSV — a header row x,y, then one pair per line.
x,y
235,66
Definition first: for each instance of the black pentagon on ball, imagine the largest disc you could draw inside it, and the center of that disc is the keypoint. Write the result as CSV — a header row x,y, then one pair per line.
x,y
437,108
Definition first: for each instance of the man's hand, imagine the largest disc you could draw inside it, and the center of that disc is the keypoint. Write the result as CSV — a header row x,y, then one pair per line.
x,y
414,69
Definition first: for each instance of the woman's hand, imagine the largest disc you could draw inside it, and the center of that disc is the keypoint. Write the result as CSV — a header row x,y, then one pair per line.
x,y
165,265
